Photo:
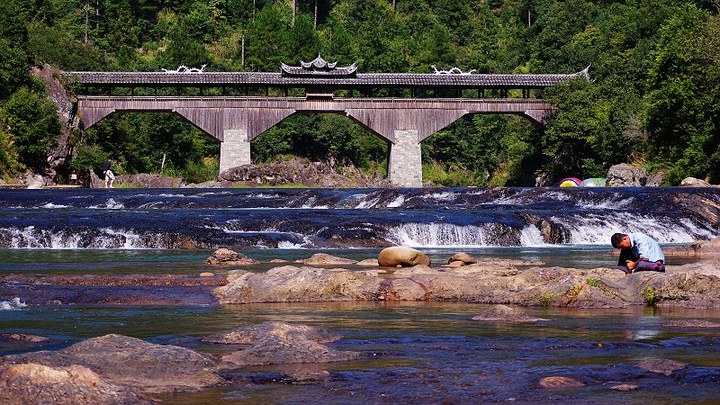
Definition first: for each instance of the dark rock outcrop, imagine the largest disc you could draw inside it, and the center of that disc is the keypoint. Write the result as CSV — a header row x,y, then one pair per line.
x,y
67,116
301,171
140,180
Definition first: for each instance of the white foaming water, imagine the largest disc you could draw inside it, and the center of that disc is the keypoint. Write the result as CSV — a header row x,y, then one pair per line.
x,y
445,196
365,203
110,204
596,230
531,236
33,238
617,202
132,240
398,202
13,304
53,206
438,235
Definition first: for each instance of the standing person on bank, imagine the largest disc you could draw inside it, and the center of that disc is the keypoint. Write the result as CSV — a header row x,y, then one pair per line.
x,y
109,176
638,252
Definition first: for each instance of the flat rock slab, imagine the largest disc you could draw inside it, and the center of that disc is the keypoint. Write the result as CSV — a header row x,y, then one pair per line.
x,y
111,289
132,362
283,343
298,284
503,313
697,284
662,366
248,335
624,387
29,383
559,382
324,259
691,324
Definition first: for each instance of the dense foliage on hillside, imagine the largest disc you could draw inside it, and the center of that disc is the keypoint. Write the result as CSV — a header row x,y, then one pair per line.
x,y
653,99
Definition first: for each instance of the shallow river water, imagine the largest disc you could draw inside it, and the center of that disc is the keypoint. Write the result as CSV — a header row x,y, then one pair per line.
x,y
412,352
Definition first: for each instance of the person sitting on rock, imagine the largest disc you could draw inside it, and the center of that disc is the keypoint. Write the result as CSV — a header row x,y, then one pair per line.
x,y
638,252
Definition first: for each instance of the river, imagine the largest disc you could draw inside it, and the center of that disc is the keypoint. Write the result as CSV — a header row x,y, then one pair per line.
x,y
414,352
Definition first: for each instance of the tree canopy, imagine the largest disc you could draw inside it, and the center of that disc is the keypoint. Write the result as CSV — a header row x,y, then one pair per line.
x,y
653,98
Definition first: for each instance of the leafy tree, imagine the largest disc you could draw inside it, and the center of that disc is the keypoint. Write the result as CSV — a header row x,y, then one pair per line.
x,y
684,86
32,120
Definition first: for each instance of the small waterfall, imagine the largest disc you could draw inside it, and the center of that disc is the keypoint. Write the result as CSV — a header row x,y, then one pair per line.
x,y
103,238
450,235
595,229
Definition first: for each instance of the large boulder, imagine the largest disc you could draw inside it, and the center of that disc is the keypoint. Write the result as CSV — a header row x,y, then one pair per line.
x,y
282,343
625,175
462,259
401,256
656,178
132,362
693,182
30,383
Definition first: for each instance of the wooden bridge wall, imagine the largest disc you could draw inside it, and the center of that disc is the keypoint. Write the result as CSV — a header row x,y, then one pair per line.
x,y
257,114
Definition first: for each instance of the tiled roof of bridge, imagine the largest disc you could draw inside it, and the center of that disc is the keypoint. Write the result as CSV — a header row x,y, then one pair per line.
x,y
240,79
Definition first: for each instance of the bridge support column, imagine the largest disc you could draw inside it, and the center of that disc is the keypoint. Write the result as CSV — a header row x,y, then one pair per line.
x,y
405,163
234,149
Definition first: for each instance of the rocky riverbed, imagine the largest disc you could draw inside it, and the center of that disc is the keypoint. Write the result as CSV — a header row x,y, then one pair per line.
x,y
118,369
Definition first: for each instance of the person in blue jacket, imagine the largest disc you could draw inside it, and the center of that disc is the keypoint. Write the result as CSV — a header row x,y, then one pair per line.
x,y
638,252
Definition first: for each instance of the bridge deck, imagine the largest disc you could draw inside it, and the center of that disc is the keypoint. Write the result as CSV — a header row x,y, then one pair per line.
x,y
258,79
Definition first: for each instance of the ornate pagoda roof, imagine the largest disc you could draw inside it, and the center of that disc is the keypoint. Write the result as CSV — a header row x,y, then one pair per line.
x,y
318,67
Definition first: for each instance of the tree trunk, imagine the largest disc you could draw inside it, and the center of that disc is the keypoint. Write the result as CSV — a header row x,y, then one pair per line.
x,y
292,5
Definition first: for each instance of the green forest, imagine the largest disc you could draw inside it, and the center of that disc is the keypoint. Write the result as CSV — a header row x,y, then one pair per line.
x,y
654,97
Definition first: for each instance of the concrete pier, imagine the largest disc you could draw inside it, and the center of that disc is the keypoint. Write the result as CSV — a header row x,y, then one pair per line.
x,y
234,149
405,163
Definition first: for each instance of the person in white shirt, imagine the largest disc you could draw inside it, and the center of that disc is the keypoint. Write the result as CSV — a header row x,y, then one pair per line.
x,y
638,252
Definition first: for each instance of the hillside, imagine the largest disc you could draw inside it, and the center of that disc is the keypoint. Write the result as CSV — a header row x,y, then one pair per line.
x,y
652,100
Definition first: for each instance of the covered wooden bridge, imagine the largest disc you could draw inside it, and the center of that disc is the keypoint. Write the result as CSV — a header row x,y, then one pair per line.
x,y
236,107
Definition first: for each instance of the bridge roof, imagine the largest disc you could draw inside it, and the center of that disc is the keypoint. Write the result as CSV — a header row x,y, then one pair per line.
x,y
259,79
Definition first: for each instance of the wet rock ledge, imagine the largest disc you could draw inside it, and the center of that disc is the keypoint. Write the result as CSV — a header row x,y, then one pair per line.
x,y
499,281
